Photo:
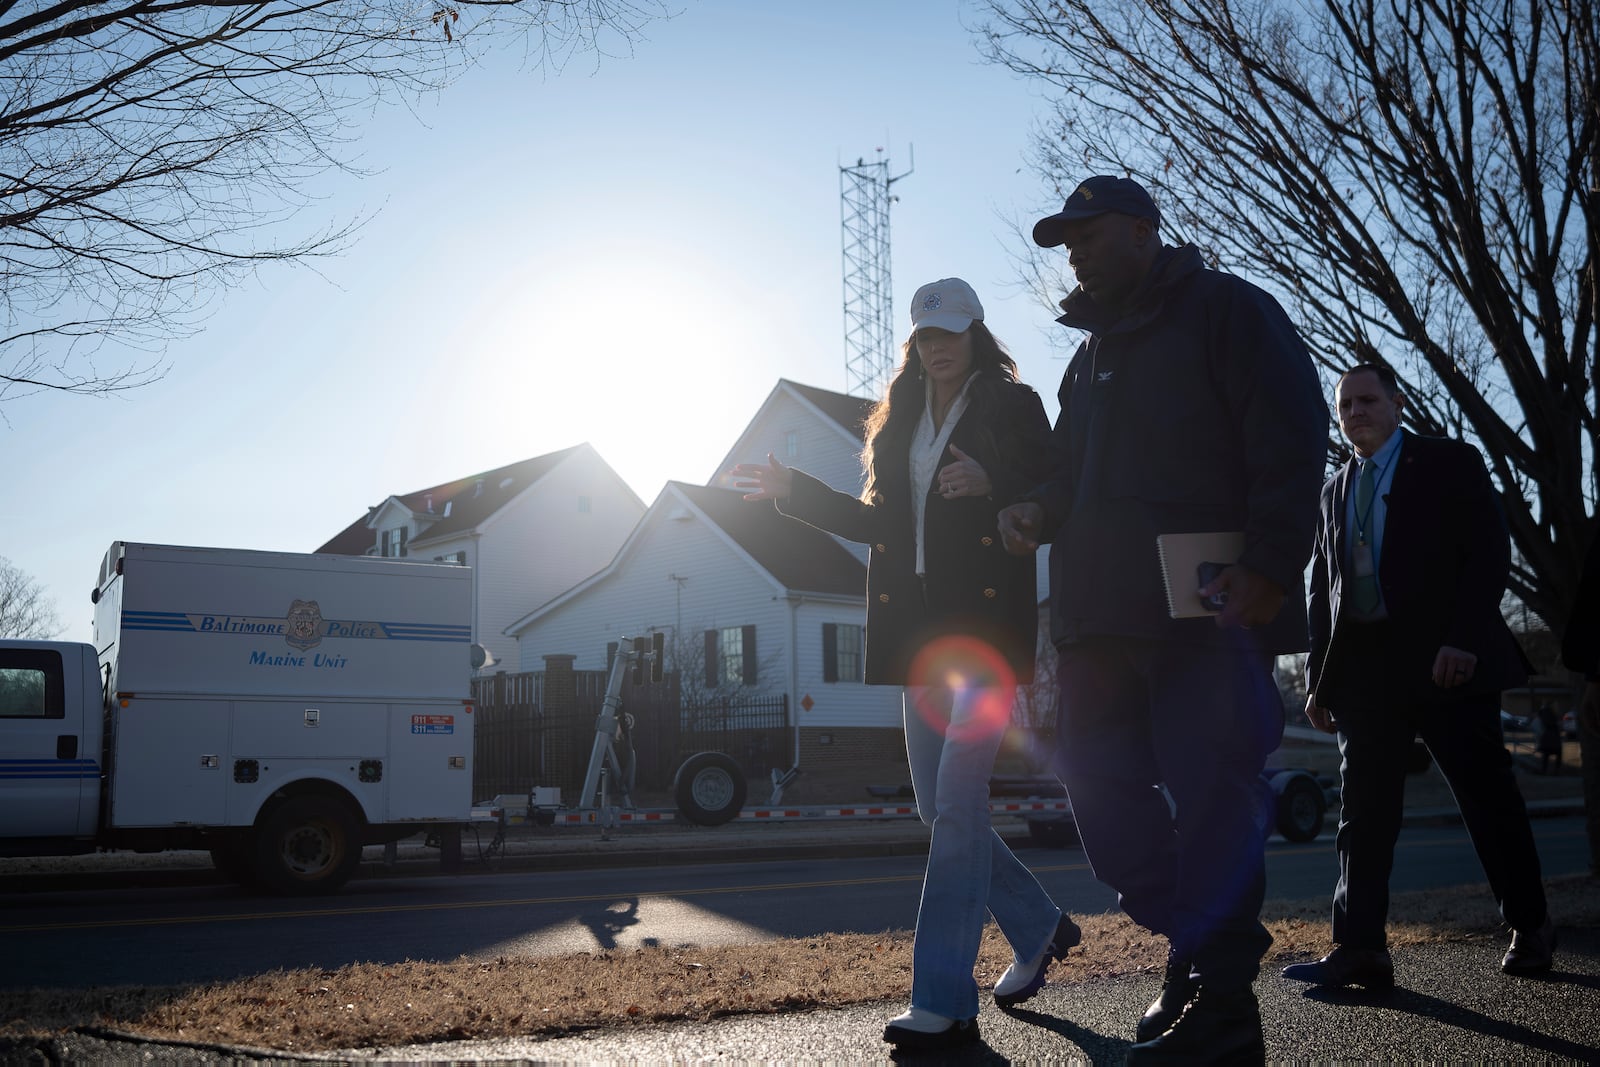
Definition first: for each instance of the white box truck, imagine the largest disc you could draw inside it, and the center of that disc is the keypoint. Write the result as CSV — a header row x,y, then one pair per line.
x,y
280,710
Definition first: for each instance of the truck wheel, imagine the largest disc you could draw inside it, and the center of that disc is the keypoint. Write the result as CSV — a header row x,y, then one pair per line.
x,y
710,789
306,845
1300,809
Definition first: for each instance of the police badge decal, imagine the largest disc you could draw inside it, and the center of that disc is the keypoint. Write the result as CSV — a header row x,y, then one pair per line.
x,y
304,628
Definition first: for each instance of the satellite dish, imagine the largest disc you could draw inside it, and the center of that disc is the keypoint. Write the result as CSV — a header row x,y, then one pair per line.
x,y
482,658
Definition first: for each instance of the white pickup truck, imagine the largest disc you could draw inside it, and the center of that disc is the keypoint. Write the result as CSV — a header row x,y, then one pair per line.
x,y
280,710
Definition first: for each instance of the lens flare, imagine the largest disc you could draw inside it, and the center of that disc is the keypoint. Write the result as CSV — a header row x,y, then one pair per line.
x,y
981,682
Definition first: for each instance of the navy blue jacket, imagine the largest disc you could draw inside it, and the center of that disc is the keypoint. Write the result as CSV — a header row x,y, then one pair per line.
x,y
974,588
1199,411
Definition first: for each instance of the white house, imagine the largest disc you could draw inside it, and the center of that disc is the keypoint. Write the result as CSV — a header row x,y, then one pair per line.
x,y
528,530
746,596
748,599
766,601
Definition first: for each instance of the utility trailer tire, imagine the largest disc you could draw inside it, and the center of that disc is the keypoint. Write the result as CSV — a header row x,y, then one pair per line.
x,y
1301,808
306,845
709,788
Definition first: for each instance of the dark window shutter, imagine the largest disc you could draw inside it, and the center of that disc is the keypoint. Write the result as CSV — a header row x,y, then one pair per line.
x,y
749,655
711,659
830,652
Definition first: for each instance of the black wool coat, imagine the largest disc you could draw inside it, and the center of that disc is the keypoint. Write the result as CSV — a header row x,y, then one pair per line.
x,y
973,587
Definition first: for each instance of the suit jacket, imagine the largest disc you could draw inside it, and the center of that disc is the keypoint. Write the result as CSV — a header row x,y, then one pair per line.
x,y
974,587
1445,559
1580,644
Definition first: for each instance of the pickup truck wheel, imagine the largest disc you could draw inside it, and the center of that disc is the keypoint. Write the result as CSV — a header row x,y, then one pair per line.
x,y
710,788
306,845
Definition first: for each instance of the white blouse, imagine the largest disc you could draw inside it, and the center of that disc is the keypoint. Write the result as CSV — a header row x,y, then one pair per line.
x,y
927,445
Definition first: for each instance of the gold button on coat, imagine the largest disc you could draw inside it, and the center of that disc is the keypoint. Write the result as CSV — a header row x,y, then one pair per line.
x,y
880,548
990,593
988,541
883,598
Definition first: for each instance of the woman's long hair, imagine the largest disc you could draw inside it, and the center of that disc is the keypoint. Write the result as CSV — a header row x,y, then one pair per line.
x,y
893,419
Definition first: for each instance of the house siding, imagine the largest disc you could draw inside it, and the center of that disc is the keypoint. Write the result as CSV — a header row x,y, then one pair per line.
x,y
719,589
540,544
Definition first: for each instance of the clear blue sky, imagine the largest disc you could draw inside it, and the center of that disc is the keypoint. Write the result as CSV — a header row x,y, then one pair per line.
x,y
630,255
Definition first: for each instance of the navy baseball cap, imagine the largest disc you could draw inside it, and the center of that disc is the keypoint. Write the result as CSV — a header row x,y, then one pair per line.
x,y
1096,196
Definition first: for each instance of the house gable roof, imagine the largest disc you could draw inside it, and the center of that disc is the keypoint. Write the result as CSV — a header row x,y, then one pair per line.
x,y
850,412
456,506
801,558
796,557
845,414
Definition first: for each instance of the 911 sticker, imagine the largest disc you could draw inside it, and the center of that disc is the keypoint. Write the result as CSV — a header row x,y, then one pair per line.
x,y
433,724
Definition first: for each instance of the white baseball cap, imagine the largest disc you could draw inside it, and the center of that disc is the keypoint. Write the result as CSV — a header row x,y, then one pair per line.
x,y
947,304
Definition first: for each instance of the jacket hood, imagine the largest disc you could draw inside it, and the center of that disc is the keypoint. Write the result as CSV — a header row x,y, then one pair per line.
x,y
1172,265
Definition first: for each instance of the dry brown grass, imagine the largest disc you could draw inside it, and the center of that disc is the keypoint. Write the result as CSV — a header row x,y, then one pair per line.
x,y
370,1005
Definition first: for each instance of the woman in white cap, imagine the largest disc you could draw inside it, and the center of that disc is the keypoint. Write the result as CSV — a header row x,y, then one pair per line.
x,y
953,618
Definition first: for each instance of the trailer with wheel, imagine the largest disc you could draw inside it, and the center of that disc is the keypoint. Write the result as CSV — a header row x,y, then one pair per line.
x,y
279,710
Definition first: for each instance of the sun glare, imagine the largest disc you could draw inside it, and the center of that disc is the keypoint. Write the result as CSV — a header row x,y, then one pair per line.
x,y
658,367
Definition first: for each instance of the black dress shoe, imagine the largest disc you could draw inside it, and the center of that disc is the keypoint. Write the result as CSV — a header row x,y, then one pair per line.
x,y
1008,994
959,1032
1370,968
1177,989
1531,951
1215,1027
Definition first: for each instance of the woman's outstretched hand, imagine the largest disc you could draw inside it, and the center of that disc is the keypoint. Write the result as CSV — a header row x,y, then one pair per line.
x,y
763,481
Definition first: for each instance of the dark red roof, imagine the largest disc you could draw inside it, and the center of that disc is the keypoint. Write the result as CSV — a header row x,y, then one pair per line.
x,y
801,557
471,500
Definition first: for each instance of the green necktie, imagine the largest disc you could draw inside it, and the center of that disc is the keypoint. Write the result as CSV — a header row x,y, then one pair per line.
x,y
1364,588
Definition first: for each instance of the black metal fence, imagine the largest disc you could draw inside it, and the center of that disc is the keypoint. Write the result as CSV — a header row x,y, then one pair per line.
x,y
525,739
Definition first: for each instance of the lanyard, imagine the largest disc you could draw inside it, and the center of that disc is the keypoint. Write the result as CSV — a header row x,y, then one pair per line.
x,y
1372,505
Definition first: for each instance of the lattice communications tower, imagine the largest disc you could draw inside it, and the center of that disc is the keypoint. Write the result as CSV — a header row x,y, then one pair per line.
x,y
869,348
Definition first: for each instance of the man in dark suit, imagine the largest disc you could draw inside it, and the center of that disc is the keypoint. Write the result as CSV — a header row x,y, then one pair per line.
x,y
1580,651
1407,641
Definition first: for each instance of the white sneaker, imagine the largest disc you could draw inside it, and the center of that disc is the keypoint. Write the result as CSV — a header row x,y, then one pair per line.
x,y
1020,974
922,1021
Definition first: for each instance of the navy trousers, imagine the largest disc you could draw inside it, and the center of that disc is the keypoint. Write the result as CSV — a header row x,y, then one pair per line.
x,y
1380,707
1137,714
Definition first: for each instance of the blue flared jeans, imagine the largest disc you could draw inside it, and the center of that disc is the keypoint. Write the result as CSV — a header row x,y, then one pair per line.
x,y
952,738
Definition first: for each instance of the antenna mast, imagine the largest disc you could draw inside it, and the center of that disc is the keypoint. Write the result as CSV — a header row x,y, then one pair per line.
x,y
869,349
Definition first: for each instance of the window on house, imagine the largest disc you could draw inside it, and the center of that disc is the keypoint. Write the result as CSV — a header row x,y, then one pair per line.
x,y
394,542
457,558
730,656
583,505
31,684
842,652
791,444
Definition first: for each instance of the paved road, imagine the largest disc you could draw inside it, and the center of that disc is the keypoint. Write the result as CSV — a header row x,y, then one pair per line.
x,y
201,933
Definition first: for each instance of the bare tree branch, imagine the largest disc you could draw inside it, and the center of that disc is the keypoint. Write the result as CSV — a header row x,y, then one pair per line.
x,y
1419,180
151,151
25,610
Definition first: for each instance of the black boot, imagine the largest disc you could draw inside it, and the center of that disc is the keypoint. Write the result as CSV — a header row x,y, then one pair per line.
x,y
1177,989
1216,1027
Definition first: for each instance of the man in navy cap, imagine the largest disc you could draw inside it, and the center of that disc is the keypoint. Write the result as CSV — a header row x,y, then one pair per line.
x,y
1191,407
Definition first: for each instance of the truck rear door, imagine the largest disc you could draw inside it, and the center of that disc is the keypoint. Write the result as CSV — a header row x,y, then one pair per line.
x,y
49,752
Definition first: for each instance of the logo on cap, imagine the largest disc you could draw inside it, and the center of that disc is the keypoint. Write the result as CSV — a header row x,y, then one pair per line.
x,y
931,302
1088,194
